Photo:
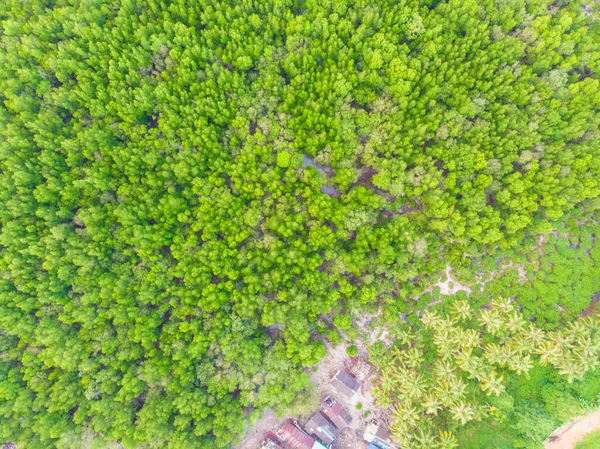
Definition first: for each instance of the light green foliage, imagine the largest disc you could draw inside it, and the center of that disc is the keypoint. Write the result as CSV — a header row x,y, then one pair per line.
x,y
590,441
344,322
165,254
283,159
439,378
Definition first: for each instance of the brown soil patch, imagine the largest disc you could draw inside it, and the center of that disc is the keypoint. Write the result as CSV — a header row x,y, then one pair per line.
x,y
569,434
592,309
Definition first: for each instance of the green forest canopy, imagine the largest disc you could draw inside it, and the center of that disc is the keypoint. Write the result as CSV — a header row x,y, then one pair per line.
x,y
177,176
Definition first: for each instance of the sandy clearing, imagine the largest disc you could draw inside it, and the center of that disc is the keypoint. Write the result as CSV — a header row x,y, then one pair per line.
x,y
570,433
451,286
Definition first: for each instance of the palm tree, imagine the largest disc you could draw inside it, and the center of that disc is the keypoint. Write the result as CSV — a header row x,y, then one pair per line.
x,y
492,320
443,369
520,363
579,327
445,349
457,386
444,323
397,354
587,364
454,340
431,404
401,432
470,363
515,322
443,391
508,354
520,344
587,347
591,323
472,338
491,383
494,353
406,337
463,338
570,369
533,334
447,440
561,339
584,364
461,310
504,304
462,412
384,398
549,352
430,319
413,385
413,358
425,438
406,414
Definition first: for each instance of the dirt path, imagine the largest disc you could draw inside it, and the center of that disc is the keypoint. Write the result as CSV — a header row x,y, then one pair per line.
x,y
569,434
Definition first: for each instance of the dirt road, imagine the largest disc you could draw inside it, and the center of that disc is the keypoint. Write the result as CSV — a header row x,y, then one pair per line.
x,y
570,433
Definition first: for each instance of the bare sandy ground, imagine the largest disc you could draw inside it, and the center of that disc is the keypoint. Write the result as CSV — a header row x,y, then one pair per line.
x,y
569,434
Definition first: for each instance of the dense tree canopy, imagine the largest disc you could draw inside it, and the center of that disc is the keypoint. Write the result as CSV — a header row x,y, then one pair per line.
x,y
189,188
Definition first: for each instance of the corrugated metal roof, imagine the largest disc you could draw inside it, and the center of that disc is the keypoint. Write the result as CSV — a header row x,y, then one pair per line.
x,y
322,428
345,383
335,412
295,438
377,434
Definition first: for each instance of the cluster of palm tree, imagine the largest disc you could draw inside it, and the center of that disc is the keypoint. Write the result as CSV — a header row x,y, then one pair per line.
x,y
439,376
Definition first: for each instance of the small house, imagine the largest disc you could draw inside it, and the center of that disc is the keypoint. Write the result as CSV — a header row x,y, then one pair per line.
x,y
295,438
344,383
322,428
359,368
334,411
377,435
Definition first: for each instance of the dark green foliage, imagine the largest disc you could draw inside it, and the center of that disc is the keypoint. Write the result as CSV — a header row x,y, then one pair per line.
x,y
188,186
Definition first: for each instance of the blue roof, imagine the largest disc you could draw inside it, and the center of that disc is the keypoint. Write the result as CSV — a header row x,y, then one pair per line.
x,y
318,445
374,446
